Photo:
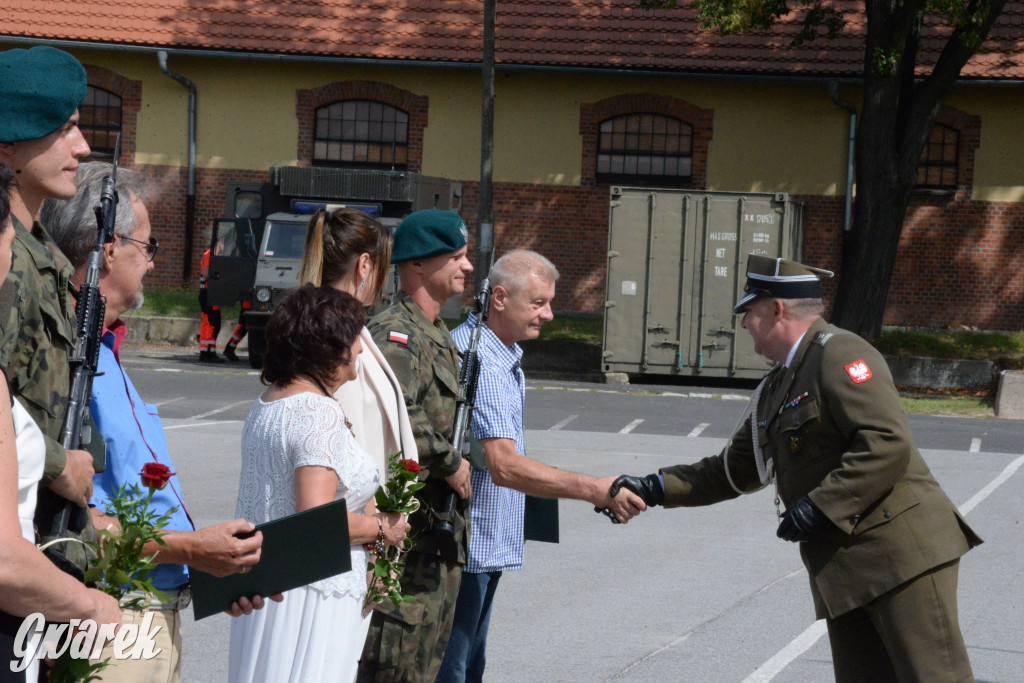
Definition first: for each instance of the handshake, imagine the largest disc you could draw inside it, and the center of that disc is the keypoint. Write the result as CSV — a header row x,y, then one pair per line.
x,y
800,523
649,489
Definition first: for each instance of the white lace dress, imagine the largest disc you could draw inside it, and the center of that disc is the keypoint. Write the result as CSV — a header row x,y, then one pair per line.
x,y
314,634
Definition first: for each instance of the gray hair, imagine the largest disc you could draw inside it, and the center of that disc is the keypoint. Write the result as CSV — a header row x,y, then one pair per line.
x,y
513,269
802,309
72,222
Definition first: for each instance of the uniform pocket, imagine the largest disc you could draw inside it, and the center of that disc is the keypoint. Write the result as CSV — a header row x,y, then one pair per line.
x,y
794,425
447,379
898,501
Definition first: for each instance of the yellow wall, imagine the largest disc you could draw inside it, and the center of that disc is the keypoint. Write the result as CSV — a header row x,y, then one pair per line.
x,y
767,137
998,174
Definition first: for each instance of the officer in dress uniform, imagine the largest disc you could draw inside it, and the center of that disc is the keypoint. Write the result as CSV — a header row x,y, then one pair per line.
x,y
880,540
406,642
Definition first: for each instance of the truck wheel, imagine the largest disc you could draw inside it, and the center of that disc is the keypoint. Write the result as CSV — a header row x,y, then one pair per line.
x,y
257,348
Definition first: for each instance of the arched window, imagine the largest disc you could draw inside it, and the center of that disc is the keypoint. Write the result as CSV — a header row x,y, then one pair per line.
x,y
361,133
645,148
940,160
100,122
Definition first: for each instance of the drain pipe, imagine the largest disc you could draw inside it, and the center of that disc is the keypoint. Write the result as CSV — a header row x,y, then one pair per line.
x,y
833,94
190,197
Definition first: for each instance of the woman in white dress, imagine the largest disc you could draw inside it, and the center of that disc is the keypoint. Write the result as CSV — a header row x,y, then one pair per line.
x,y
350,251
298,452
29,582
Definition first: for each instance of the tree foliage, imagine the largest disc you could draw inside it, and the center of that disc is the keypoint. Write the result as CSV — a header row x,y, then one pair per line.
x,y
901,100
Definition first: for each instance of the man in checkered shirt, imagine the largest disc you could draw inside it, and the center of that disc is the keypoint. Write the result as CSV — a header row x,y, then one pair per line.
x,y
523,286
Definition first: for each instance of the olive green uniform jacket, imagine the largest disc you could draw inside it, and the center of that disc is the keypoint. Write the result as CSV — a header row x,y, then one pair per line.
x,y
833,424
426,363
37,331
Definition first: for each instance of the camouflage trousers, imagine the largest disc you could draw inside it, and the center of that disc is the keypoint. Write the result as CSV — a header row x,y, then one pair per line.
x,y
406,643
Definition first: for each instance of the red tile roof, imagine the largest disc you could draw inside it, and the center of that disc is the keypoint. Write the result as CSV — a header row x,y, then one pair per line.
x,y
606,34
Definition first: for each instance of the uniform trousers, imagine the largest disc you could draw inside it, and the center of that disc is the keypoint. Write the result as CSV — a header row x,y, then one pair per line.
x,y
407,644
911,633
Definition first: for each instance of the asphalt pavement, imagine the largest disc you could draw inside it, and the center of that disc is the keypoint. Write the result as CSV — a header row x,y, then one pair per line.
x,y
702,594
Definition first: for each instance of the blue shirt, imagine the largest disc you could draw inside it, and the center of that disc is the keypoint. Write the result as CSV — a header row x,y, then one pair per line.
x,y
496,512
134,436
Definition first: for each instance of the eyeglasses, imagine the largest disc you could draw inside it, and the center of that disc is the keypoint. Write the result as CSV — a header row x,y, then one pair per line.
x,y
150,247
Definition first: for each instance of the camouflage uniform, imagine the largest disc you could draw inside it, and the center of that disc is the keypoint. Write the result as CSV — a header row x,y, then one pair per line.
x,y
407,642
36,339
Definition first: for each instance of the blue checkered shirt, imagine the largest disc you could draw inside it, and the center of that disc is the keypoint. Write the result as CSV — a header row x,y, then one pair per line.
x,y
496,512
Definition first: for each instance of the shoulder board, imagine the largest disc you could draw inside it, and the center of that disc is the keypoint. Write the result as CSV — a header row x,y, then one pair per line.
x,y
400,337
823,337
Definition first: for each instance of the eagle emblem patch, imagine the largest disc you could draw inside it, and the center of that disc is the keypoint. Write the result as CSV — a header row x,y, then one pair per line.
x,y
859,371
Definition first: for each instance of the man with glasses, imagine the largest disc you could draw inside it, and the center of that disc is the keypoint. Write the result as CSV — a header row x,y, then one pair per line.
x,y
132,428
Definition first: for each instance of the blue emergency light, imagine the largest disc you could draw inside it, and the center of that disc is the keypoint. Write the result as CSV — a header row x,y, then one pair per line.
x,y
307,207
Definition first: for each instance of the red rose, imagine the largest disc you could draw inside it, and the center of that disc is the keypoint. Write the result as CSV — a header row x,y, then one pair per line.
x,y
411,466
155,475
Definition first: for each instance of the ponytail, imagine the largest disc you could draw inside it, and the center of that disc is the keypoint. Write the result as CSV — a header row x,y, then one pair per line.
x,y
312,268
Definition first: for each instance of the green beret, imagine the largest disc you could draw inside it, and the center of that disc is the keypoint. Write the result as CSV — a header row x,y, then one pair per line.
x,y
40,89
779,278
428,233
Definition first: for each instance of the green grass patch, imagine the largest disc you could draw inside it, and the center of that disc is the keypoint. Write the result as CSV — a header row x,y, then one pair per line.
x,y
574,327
570,326
953,406
169,303
1005,349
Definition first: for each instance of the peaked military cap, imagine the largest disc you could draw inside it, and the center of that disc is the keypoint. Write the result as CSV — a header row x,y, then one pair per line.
x,y
781,279
427,233
40,89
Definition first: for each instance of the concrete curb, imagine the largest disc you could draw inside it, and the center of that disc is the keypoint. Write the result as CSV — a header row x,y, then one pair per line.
x,y
175,331
582,360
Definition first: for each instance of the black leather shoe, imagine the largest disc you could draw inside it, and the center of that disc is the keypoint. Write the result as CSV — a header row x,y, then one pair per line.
x,y
229,353
209,357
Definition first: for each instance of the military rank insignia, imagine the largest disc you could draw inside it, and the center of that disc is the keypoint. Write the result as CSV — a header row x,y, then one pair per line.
x,y
859,371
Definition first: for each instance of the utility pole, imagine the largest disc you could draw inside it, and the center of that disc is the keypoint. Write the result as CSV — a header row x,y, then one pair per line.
x,y
485,212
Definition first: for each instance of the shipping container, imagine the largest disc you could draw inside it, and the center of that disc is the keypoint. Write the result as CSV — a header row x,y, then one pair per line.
x,y
676,266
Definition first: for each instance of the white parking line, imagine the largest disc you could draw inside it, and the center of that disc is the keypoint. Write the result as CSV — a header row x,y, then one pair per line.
x,y
166,369
170,400
975,445
801,644
698,429
630,427
767,671
220,410
558,425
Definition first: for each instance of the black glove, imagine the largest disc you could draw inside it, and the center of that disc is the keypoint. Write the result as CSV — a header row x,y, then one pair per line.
x,y
802,522
649,488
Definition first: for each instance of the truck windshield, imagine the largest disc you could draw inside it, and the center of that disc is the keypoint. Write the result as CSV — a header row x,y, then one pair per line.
x,y
285,240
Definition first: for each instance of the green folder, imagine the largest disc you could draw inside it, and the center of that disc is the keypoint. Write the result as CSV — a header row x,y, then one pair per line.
x,y
540,516
540,519
297,550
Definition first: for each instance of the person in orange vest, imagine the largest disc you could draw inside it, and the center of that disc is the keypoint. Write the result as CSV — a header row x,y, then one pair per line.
x,y
209,324
238,334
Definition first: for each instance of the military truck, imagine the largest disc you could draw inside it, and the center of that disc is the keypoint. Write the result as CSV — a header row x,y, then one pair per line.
x,y
255,253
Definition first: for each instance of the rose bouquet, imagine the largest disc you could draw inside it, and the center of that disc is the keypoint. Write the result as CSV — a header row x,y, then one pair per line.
x,y
397,494
120,566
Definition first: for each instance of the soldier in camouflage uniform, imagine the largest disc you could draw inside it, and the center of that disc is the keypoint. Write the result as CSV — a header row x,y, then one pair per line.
x,y
407,642
40,90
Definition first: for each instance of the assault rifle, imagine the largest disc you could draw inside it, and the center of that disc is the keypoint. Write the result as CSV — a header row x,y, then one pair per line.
x,y
84,360
443,527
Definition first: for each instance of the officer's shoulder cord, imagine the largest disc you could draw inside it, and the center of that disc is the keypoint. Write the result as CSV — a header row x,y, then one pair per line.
x,y
765,471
